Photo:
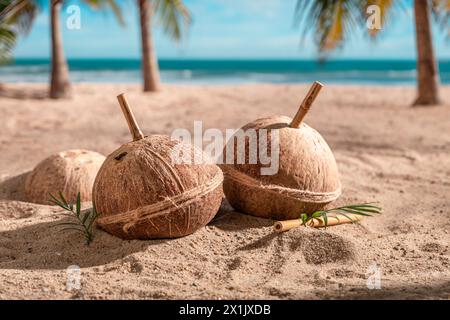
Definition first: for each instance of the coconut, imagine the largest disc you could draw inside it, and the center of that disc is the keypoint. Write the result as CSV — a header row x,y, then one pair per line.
x,y
68,172
141,193
307,178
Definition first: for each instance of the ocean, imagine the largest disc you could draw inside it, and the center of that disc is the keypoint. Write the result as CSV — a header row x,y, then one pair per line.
x,y
227,71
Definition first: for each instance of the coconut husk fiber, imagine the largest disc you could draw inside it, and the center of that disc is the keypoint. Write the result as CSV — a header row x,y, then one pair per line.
x,y
68,172
307,179
140,193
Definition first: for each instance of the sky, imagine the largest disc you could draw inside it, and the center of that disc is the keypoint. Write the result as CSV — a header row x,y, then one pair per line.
x,y
238,29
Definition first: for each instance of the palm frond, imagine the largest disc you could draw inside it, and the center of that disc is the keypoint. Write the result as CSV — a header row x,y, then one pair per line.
x,y
16,16
19,13
7,41
331,21
173,15
105,5
385,7
441,13
440,5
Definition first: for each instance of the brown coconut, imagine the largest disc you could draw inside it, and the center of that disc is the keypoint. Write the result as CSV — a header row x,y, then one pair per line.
x,y
68,172
141,194
307,179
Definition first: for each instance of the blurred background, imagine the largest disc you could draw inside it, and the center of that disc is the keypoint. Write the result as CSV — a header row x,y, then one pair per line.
x,y
227,41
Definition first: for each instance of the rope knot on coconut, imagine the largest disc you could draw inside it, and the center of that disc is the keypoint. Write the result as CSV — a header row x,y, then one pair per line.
x,y
140,193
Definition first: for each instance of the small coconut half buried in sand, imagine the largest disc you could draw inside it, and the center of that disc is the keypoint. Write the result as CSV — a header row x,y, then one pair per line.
x,y
307,178
68,172
140,193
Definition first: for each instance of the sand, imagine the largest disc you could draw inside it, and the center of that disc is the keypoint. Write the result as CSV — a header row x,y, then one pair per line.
x,y
386,152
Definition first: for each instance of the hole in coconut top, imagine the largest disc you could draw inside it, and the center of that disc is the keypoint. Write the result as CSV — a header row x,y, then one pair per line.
x,y
69,154
274,126
121,156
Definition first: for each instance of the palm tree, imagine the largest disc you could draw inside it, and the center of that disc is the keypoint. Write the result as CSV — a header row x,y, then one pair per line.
x,y
333,20
59,83
59,80
172,13
427,69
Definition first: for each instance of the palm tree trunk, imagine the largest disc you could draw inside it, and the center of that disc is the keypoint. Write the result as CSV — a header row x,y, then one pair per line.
x,y
427,69
59,84
150,69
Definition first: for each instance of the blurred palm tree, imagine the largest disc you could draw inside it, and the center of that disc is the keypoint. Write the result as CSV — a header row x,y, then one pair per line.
x,y
172,14
8,38
333,20
60,84
21,13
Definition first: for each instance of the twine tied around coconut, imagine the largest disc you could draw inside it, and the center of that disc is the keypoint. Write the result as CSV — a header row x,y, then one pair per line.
x,y
291,193
164,207
307,178
141,193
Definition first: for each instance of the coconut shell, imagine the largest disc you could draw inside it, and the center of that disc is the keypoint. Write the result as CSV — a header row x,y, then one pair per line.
x,y
140,194
68,172
306,181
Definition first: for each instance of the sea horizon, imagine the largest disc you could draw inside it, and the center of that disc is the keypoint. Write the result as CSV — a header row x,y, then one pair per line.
x,y
227,71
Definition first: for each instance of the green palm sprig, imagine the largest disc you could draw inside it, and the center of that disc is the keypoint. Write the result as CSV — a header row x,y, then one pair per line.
x,y
83,221
364,209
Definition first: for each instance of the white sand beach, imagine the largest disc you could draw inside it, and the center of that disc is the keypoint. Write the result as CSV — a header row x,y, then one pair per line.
x,y
386,151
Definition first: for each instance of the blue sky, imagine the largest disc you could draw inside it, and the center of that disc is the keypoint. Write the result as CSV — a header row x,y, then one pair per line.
x,y
222,29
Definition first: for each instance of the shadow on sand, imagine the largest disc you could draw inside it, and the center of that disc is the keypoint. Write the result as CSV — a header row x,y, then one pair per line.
x,y
439,290
262,242
227,219
43,246
21,94
13,188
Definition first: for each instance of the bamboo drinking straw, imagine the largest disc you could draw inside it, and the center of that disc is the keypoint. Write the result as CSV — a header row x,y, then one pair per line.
x,y
306,104
129,116
337,219
281,226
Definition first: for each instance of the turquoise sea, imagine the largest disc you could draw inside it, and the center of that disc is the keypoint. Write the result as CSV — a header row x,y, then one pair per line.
x,y
227,71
